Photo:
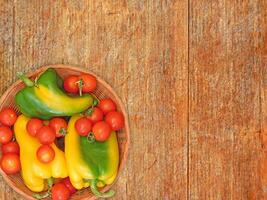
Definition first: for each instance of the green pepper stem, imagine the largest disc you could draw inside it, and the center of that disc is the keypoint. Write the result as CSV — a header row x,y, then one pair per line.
x,y
99,194
25,79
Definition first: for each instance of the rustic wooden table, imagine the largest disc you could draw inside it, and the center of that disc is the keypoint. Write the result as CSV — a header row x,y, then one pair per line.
x,y
192,73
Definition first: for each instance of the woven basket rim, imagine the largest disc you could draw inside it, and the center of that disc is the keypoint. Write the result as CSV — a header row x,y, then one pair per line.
x,y
118,101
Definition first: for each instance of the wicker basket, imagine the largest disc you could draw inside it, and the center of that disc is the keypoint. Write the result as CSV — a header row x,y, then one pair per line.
x,y
103,90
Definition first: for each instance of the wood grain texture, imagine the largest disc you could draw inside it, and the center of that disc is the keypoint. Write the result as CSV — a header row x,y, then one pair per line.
x,y
226,54
140,48
192,74
263,60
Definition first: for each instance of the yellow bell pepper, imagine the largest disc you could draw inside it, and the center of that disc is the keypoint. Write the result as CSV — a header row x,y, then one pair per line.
x,y
34,173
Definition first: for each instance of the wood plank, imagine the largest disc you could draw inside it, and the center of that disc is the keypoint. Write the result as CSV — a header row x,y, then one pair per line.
x,y
224,116
156,56
7,75
6,45
140,48
263,61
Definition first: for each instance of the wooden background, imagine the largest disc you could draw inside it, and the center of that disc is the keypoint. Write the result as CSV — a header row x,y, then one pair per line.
x,y
192,74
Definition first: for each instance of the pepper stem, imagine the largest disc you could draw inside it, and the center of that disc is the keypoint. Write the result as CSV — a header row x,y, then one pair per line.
x,y
99,194
25,79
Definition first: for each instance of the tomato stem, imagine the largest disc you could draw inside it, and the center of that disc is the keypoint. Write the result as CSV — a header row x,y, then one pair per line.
x,y
80,85
91,137
63,131
89,112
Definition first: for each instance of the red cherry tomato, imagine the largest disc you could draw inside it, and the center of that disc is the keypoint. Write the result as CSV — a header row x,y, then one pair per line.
x,y
59,125
45,154
101,131
34,125
11,147
68,184
46,135
83,126
60,192
115,120
8,116
107,105
96,115
10,163
6,134
71,84
88,82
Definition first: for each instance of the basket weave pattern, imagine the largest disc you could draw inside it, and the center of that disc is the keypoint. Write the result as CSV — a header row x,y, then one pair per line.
x,y
103,90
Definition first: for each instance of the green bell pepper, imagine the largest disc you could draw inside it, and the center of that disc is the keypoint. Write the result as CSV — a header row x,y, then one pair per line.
x,y
91,163
46,99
